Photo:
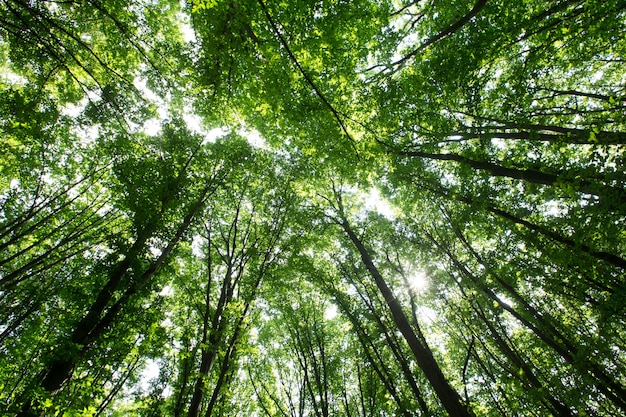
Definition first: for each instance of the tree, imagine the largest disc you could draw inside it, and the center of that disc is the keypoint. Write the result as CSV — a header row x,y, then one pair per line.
x,y
449,398
241,238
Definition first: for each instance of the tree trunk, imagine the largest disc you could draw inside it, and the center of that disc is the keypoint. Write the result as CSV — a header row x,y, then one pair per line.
x,y
543,230
528,376
549,335
370,350
449,398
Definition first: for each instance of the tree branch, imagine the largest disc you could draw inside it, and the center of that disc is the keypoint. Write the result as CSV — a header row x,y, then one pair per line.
x,y
306,76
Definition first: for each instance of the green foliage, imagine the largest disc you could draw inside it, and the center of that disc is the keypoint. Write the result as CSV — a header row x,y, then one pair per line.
x,y
250,268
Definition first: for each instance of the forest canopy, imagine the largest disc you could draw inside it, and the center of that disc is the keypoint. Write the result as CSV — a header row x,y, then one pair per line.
x,y
312,208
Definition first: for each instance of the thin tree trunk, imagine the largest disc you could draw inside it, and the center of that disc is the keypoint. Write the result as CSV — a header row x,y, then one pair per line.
x,y
528,376
575,136
13,228
453,27
186,374
228,358
118,386
378,363
543,230
613,390
566,134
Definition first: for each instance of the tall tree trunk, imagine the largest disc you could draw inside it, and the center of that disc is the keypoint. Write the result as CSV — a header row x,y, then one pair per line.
x,y
373,355
449,398
185,374
543,230
528,375
572,136
227,360
404,364
569,351
209,353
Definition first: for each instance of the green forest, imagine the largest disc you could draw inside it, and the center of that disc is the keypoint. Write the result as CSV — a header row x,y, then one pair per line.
x,y
312,208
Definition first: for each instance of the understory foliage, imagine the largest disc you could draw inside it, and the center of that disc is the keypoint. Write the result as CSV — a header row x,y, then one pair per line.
x,y
312,208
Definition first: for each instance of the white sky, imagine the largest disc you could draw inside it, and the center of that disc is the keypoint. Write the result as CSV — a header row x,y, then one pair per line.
x,y
375,202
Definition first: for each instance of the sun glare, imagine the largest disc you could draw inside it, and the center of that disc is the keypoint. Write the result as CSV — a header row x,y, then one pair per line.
x,y
418,281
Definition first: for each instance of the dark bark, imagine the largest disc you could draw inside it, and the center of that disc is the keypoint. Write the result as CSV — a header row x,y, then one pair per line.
x,y
374,357
72,235
68,247
304,352
528,376
230,351
392,342
257,393
601,255
17,321
19,227
543,132
213,333
571,136
211,339
118,386
221,383
604,97
186,368
402,360
449,30
543,230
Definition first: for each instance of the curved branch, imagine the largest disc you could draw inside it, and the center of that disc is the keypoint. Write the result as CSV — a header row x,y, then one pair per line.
x,y
395,66
306,76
